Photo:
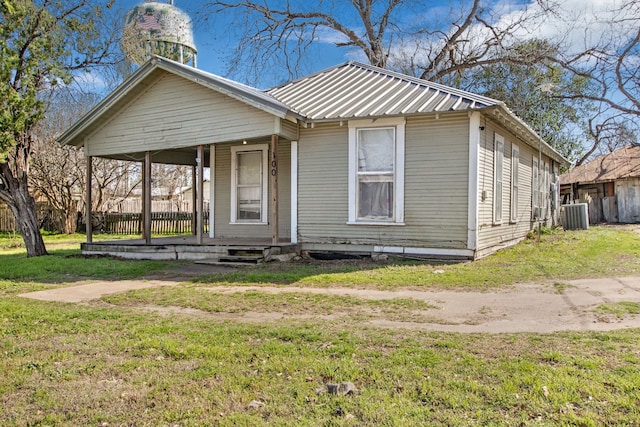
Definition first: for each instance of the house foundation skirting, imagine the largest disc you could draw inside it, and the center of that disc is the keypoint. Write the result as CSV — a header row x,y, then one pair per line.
x,y
426,253
186,249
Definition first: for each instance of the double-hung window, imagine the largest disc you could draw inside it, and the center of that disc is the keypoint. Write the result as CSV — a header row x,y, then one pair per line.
x,y
515,176
249,184
498,162
535,189
376,172
544,190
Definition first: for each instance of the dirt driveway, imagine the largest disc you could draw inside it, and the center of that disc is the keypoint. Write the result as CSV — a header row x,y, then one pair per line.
x,y
522,308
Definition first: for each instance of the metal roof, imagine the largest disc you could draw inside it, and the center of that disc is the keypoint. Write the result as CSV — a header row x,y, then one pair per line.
x,y
348,91
354,90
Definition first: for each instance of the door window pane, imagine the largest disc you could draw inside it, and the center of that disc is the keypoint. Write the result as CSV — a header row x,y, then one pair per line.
x,y
249,185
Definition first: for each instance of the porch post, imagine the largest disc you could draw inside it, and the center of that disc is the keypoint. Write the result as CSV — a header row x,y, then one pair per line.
x,y
89,226
212,191
200,197
146,206
274,189
194,201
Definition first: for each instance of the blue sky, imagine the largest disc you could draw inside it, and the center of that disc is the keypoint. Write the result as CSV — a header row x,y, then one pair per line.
x,y
215,39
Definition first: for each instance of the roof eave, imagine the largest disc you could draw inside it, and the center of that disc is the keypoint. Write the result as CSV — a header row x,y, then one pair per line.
x,y
534,139
272,107
69,136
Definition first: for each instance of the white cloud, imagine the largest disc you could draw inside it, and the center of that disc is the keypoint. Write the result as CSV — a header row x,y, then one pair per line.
x,y
577,24
93,81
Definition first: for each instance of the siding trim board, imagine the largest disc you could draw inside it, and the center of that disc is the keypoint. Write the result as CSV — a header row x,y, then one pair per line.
x,y
474,166
467,253
294,192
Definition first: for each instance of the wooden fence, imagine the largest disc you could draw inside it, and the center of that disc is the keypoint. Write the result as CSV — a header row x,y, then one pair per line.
x,y
163,223
7,220
48,218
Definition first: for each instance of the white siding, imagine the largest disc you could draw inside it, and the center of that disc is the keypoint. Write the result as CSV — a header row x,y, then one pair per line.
x,y
436,187
175,113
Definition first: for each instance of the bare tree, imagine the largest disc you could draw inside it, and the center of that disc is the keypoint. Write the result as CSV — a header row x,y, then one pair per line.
x,y
113,182
386,33
171,178
43,43
611,60
609,133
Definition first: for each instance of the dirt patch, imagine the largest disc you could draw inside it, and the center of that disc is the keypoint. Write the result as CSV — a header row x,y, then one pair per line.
x,y
541,308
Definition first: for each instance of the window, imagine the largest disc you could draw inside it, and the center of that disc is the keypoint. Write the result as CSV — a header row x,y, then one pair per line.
x,y
249,184
544,191
534,189
498,160
376,172
515,171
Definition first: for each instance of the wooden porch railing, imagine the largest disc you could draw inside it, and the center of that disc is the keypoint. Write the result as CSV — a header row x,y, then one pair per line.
x,y
162,223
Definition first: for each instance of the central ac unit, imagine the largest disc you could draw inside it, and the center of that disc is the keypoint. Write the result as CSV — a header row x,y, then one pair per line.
x,y
575,217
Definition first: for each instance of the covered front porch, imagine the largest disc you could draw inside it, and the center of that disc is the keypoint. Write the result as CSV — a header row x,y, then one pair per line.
x,y
173,114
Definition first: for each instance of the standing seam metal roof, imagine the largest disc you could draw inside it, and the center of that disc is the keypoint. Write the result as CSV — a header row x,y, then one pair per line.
x,y
355,90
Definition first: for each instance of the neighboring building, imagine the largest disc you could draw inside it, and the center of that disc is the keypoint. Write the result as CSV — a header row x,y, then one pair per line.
x,y
612,182
353,158
186,193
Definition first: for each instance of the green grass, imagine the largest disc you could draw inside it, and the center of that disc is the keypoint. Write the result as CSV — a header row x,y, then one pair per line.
x,y
619,309
65,264
599,252
93,364
74,365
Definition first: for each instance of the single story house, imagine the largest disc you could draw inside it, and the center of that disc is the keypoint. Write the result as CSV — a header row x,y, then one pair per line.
x,y
353,158
612,183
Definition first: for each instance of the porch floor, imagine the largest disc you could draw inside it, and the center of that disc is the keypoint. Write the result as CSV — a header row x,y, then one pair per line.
x,y
187,248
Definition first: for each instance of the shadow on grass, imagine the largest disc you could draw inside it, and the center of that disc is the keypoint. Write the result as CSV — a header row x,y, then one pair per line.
x,y
64,266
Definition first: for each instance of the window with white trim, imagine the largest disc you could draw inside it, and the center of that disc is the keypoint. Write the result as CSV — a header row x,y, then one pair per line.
x,y
515,172
498,163
376,171
249,180
544,190
535,187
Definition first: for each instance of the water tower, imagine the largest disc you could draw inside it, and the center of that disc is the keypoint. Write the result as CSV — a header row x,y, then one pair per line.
x,y
158,28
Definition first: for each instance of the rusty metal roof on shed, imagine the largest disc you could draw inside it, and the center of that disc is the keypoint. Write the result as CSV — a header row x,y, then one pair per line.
x,y
622,163
354,90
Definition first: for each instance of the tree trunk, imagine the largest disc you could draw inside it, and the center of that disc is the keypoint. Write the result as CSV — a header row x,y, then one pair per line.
x,y
15,193
70,221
